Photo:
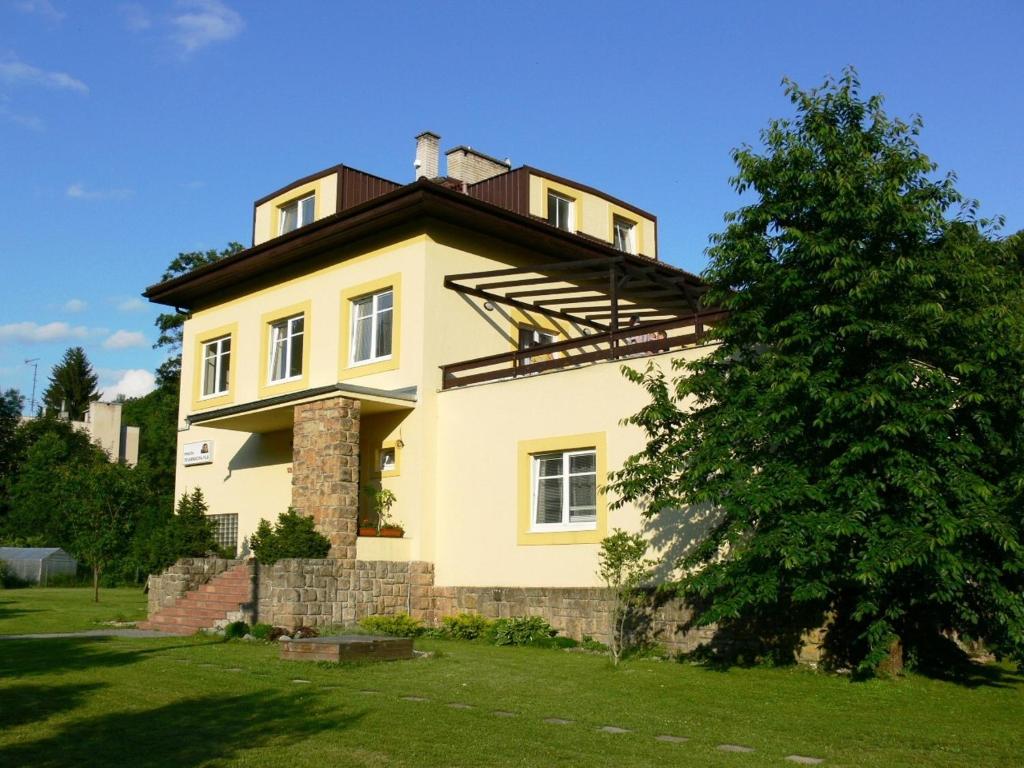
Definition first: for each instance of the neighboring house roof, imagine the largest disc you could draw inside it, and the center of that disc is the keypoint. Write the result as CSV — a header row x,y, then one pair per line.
x,y
416,201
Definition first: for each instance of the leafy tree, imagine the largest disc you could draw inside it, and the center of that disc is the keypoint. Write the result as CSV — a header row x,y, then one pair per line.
x,y
858,429
170,323
101,501
623,566
72,384
11,403
156,415
294,535
162,537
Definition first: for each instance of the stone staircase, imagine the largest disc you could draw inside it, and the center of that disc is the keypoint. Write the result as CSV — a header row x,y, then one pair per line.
x,y
226,597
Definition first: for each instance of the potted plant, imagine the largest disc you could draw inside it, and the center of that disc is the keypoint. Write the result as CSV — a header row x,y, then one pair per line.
x,y
381,501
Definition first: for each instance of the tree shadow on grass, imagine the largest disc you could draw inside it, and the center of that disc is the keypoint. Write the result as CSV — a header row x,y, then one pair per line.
x,y
192,731
7,612
37,703
22,658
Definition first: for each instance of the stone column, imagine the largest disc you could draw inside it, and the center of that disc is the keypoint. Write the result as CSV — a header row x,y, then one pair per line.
x,y
325,470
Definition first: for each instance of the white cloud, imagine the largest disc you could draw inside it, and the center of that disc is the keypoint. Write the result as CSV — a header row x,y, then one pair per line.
x,y
42,7
134,304
15,72
125,340
32,333
134,382
135,17
78,191
75,305
31,122
203,22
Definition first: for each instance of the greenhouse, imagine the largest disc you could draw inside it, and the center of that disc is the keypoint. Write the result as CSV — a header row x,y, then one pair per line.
x,y
38,565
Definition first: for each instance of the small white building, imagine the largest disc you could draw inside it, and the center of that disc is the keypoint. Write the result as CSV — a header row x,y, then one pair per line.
x,y
103,425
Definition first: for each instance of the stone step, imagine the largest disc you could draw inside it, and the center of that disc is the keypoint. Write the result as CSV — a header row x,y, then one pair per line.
x,y
217,604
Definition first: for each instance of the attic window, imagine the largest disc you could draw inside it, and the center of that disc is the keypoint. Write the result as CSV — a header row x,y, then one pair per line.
x,y
560,211
297,213
625,234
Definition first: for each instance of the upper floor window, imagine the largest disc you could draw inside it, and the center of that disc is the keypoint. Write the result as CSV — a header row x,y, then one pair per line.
x,y
625,234
216,366
297,213
565,490
560,211
372,321
286,337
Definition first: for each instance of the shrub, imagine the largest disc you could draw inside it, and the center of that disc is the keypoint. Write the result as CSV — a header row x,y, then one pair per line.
x,y
236,629
276,633
465,626
398,625
261,631
301,632
294,536
7,578
522,630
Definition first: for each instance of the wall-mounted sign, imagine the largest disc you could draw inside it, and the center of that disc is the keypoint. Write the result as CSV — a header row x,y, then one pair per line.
x,y
198,453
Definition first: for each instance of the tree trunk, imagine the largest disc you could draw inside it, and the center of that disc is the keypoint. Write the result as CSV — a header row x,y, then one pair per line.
x,y
95,583
892,666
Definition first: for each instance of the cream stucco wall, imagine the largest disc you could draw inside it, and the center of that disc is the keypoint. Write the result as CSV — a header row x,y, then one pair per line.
x,y
266,220
593,213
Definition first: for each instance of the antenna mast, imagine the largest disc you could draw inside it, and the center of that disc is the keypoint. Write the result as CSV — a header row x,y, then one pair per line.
x,y
34,362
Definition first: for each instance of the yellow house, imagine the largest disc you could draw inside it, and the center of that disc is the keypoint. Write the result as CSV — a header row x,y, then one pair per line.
x,y
456,340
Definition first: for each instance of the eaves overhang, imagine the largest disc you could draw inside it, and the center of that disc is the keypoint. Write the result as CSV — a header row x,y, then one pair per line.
x,y
422,200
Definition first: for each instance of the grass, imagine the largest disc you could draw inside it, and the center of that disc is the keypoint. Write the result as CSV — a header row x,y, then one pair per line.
x,y
52,609
200,701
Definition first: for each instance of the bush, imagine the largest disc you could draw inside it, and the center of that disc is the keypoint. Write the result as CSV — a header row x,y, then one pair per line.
x,y
523,630
301,632
399,625
7,578
236,629
261,631
465,626
276,633
294,536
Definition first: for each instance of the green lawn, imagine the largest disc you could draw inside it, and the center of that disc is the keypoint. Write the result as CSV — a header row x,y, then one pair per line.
x,y
195,701
49,609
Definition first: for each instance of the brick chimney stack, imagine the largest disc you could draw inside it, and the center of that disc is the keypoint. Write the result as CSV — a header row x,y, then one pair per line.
x,y
428,152
469,166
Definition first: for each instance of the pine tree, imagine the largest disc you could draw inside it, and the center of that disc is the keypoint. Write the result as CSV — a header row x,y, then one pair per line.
x,y
72,385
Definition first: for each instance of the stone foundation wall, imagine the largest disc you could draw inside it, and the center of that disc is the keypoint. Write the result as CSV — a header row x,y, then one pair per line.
x,y
185,575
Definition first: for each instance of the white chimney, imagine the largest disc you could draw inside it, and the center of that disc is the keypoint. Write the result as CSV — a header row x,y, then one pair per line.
x,y
428,152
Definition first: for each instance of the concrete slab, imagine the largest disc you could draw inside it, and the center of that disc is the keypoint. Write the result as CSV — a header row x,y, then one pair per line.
x,y
347,648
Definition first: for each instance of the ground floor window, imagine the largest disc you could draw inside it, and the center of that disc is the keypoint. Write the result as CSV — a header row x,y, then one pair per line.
x,y
565,490
226,532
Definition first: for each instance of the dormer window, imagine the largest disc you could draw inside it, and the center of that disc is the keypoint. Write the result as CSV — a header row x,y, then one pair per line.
x,y
297,213
625,234
560,211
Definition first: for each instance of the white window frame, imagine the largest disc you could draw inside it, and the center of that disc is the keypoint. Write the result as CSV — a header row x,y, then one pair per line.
x,y
630,227
570,224
289,347
219,359
565,524
299,205
375,316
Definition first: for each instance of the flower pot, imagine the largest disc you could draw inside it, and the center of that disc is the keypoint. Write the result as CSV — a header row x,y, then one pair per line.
x,y
368,531
388,532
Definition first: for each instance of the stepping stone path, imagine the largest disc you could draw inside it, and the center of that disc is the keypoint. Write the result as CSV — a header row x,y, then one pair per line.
x,y
369,692
414,698
502,713
671,739
734,748
234,669
556,721
613,729
804,760
300,682
457,705
208,666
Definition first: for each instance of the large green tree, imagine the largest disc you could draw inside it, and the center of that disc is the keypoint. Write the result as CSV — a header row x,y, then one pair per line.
x,y
72,385
856,435
11,403
170,324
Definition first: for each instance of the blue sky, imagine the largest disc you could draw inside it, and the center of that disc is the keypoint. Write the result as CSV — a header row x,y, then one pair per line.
x,y
131,131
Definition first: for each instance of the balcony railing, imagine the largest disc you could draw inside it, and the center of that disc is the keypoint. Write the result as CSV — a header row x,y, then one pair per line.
x,y
651,339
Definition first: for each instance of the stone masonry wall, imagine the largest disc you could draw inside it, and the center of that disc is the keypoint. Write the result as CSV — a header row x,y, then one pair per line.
x,y
325,470
185,575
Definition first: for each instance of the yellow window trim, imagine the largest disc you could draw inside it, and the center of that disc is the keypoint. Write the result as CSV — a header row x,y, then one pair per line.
x,y
563,191
398,459
346,370
291,196
520,319
266,388
614,212
526,450
198,401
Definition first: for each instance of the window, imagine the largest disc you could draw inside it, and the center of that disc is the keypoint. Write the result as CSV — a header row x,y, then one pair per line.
x,y
226,531
530,338
625,234
372,319
286,338
560,211
388,462
565,490
216,366
297,213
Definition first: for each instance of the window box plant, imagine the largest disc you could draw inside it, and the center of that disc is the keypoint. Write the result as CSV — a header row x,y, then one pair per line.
x,y
380,523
